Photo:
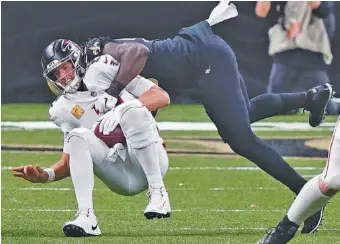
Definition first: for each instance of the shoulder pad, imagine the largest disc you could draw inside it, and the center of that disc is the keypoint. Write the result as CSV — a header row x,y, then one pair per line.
x,y
100,73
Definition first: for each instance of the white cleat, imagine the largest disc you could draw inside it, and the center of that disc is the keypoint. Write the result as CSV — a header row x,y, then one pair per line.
x,y
159,204
85,225
222,12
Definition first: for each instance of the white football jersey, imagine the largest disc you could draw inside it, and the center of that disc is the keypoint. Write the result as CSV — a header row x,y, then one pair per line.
x,y
76,110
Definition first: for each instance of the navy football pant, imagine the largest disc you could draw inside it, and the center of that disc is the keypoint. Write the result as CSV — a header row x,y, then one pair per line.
x,y
226,102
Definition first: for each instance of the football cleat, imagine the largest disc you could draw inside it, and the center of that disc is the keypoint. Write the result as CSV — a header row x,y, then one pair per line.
x,y
159,204
85,225
281,234
316,104
312,224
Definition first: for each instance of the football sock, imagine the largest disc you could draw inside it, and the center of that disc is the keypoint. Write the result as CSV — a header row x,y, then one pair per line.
x,y
308,201
81,170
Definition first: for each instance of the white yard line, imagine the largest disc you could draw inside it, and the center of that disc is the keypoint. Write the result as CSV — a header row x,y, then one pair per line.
x,y
237,168
187,228
116,210
215,168
170,189
243,228
182,126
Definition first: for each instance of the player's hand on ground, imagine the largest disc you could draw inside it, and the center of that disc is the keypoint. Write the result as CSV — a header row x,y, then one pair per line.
x,y
108,122
32,173
105,103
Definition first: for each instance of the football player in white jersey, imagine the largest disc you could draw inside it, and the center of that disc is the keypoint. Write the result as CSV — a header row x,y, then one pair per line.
x,y
313,196
125,169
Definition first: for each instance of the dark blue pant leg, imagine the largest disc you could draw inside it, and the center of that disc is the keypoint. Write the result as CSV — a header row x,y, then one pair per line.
x,y
270,104
225,104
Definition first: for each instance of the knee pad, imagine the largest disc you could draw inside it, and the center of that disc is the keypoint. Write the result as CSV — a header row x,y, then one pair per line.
x,y
332,182
138,125
82,133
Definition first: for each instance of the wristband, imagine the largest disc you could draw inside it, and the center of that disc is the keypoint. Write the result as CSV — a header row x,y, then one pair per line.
x,y
115,88
51,174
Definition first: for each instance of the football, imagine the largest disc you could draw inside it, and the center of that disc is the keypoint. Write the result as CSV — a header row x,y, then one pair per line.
x,y
116,136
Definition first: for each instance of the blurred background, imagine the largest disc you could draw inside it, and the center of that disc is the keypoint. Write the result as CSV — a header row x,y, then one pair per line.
x,y
216,196
27,27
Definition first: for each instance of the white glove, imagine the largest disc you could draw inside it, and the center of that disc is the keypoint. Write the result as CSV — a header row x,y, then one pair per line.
x,y
105,103
111,119
108,122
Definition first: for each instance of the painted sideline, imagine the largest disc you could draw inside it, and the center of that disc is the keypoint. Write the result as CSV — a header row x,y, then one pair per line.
x,y
180,126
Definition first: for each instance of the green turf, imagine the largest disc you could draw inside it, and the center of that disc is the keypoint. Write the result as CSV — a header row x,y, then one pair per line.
x,y
200,214
195,113
204,192
55,137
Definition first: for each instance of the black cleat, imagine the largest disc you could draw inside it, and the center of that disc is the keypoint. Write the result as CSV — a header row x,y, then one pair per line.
x,y
153,215
75,231
281,234
316,104
312,224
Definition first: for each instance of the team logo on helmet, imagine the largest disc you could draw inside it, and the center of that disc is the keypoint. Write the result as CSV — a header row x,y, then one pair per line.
x,y
66,44
95,48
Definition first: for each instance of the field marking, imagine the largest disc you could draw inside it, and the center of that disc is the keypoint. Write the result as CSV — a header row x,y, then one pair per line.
x,y
244,228
237,168
116,210
336,229
181,126
260,188
218,168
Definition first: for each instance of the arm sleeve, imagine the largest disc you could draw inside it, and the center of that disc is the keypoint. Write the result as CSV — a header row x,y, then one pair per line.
x,y
139,85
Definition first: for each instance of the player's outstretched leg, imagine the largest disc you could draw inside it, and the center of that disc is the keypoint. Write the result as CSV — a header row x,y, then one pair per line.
x,y
313,196
144,142
314,100
81,170
226,106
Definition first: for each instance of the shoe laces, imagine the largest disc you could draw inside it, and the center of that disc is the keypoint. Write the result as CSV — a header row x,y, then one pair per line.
x,y
155,192
83,213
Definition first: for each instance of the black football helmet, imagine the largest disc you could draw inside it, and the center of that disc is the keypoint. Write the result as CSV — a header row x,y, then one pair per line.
x,y
57,53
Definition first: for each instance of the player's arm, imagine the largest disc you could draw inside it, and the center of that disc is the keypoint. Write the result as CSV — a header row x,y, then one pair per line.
x,y
132,58
262,8
62,168
148,93
36,174
155,98
59,170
